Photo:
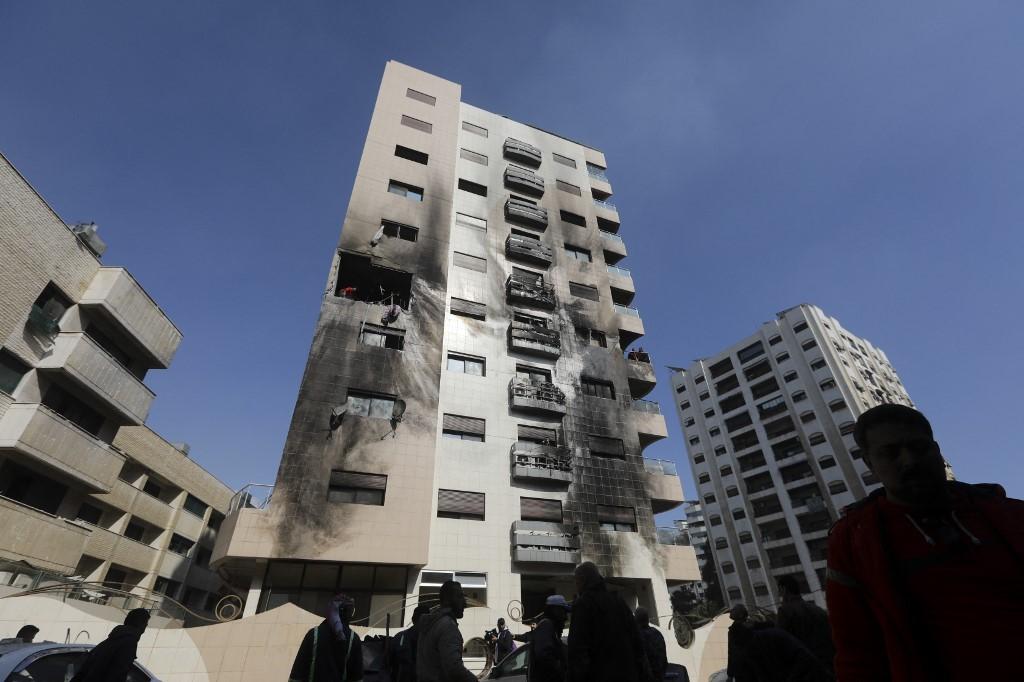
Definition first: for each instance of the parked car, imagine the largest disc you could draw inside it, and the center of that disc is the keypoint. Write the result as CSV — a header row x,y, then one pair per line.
x,y
513,668
52,662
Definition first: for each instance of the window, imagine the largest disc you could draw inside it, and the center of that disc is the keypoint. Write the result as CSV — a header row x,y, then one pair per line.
x,y
808,344
720,450
747,354
382,337
827,462
789,376
856,453
700,379
753,562
370,405
760,589
782,357
694,440
564,160
807,417
685,405
532,374
591,337
739,514
464,308
708,414
601,446
869,478
799,396
584,291
819,364
89,514
721,367
704,396
721,543
11,371
152,488
775,340
690,421
816,438
460,504
416,124
469,155
360,279
704,478
47,310
73,409
465,220
846,428
351,487
475,129
472,187
779,427
725,471
135,531
715,431
738,422
573,218
569,188
727,384
578,253
469,262
405,190
756,370
837,404
536,434
827,384
728,567
180,545
456,427
731,403
193,505
616,518
732,491
799,327
399,231
764,388
735,594
538,509
411,154
420,96
709,498
467,364
744,440
746,537
698,458
837,487
597,389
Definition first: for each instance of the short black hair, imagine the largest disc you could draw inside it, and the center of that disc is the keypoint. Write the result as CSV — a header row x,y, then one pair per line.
x,y
27,631
137,618
889,413
789,584
501,621
449,589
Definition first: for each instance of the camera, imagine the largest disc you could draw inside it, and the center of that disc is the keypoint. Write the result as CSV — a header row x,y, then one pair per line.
x,y
491,636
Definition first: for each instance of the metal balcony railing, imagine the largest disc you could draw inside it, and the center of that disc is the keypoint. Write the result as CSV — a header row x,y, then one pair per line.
x,y
612,237
638,356
540,456
251,496
530,290
646,406
528,249
672,536
604,203
517,209
522,150
660,466
597,173
544,391
620,272
524,178
526,336
625,310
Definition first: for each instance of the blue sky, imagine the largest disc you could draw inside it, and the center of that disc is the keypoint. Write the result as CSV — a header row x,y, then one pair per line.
x,y
867,157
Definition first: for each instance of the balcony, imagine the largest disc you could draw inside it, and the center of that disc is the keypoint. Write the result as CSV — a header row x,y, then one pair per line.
x,y
640,373
613,246
606,208
524,337
82,359
529,290
105,544
522,152
648,420
526,249
544,542
631,327
537,462
116,295
525,212
37,432
678,558
536,396
621,282
43,540
148,508
663,485
524,180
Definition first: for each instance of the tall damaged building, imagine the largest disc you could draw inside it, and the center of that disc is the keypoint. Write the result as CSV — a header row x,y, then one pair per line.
x,y
472,405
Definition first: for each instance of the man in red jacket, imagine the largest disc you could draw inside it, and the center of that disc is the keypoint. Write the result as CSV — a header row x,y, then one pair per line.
x,y
925,576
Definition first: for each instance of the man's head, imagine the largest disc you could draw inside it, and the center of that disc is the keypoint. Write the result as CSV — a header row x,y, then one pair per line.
x,y
739,613
643,618
899,449
419,612
346,607
501,624
587,576
137,618
556,608
27,633
452,597
789,587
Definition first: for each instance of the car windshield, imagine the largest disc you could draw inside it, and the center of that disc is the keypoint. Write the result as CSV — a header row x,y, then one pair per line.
x,y
513,664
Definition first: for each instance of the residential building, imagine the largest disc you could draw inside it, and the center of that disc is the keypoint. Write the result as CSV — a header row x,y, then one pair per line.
x,y
86,489
467,409
768,424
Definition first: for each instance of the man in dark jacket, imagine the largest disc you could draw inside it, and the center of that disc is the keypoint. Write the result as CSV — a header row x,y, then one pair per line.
x,y
925,575
504,646
772,655
654,645
740,634
547,652
112,659
806,621
439,647
330,652
604,641
402,649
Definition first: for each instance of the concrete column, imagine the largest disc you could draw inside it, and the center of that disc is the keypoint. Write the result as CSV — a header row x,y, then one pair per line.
x,y
253,598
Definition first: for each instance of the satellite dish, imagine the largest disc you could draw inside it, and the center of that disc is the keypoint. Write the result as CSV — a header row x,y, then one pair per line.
x,y
337,414
398,411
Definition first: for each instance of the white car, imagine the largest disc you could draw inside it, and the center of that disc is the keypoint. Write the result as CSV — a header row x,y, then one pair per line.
x,y
52,662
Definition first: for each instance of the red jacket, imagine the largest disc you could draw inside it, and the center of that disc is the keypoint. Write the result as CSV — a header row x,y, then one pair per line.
x,y
928,597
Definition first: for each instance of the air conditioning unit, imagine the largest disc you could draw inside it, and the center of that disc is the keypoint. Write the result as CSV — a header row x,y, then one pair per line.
x,y
87,232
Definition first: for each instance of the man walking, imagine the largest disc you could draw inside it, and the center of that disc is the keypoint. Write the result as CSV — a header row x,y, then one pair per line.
x,y
806,621
402,649
504,646
439,647
654,645
112,659
331,651
547,652
925,576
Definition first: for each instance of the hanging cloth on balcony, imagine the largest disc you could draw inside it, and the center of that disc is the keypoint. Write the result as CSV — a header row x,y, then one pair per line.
x,y
390,314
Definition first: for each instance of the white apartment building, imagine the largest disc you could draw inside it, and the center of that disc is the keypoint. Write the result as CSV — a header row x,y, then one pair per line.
x,y
768,424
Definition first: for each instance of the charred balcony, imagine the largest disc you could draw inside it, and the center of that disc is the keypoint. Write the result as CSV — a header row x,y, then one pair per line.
x,y
536,339
640,373
545,542
518,210
522,152
541,462
360,279
520,247
530,289
536,395
524,180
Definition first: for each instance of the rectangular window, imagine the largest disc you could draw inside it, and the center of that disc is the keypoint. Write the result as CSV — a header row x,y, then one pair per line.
x,y
537,509
180,545
460,504
399,231
578,253
351,487
731,403
584,291
720,368
464,308
457,427
420,96
193,505
764,388
601,446
616,518
744,355
472,187
11,371
471,221
89,514
473,156
575,219
382,337
475,129
738,422
533,374
464,260
597,388
566,187
757,370
405,190
564,160
536,434
411,154
467,364
152,488
591,337
134,531
416,124
370,405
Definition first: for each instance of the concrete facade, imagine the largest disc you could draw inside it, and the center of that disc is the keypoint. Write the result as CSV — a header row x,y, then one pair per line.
x,y
769,430
86,490
493,432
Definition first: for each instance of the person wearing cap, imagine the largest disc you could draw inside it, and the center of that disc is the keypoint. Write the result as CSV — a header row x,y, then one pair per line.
x,y
331,651
547,652
504,646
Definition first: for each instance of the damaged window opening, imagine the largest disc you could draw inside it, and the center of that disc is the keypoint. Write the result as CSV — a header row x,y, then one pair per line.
x,y
532,374
467,364
351,487
382,337
592,337
600,446
405,190
578,253
584,291
399,231
574,218
411,154
372,405
616,518
361,280
597,388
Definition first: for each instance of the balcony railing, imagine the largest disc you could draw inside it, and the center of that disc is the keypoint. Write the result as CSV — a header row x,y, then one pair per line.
x,y
540,395
251,496
530,290
639,356
538,461
641,405
544,541
612,237
525,180
531,338
625,310
604,203
619,272
668,535
528,249
597,173
660,466
526,212
522,150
